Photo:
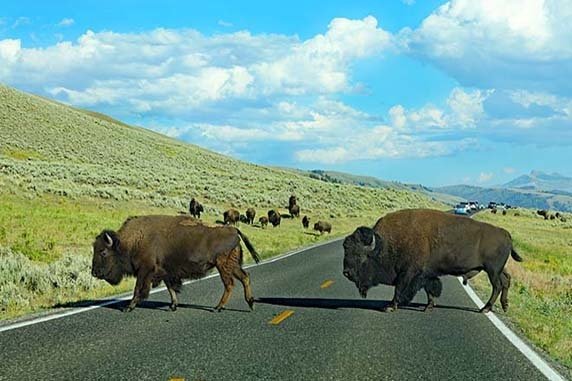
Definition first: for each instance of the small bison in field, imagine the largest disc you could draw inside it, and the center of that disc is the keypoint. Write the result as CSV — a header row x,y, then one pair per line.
x,y
543,213
231,216
306,222
494,211
195,208
263,221
411,249
323,226
552,217
274,217
250,214
242,218
293,207
504,212
171,249
558,215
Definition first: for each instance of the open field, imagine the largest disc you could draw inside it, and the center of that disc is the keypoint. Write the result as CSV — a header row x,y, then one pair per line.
x,y
66,174
541,291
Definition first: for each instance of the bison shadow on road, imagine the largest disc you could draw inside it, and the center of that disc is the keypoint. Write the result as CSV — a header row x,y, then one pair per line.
x,y
119,305
374,305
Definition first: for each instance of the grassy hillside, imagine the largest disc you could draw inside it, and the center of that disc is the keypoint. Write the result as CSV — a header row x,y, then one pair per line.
x,y
519,197
541,292
65,174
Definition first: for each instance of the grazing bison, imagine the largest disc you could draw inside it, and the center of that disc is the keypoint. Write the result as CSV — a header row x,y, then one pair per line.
x,y
231,216
323,226
195,208
543,213
170,249
293,207
504,212
305,222
250,214
411,249
552,217
558,215
263,221
242,218
494,211
274,217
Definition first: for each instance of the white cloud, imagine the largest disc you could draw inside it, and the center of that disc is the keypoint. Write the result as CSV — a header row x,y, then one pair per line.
x,y
408,2
21,21
467,107
509,170
66,22
226,24
513,43
485,177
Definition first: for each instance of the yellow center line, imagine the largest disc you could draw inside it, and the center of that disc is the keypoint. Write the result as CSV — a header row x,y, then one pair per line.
x,y
327,284
176,379
281,317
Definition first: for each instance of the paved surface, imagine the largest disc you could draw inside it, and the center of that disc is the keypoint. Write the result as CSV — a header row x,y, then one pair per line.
x,y
332,335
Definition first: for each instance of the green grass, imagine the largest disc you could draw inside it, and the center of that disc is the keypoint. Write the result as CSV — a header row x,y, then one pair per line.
x,y
541,291
65,174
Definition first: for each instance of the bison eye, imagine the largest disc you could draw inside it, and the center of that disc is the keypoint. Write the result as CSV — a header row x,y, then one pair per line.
x,y
103,253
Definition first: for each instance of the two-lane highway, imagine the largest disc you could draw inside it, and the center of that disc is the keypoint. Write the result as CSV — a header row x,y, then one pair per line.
x,y
309,324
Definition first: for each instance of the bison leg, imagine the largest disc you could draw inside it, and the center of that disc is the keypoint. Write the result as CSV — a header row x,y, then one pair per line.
x,y
433,288
171,287
141,292
226,276
402,293
495,279
505,280
243,277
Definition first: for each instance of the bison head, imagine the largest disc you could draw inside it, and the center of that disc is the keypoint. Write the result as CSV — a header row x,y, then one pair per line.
x,y
106,263
360,251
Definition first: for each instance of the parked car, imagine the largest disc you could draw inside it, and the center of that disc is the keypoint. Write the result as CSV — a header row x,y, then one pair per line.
x,y
461,209
492,205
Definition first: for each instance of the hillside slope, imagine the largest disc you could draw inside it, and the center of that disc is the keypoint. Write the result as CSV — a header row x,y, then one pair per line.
x,y
540,181
46,147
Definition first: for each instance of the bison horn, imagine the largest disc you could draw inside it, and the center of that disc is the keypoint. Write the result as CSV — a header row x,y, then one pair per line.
x,y
371,246
108,239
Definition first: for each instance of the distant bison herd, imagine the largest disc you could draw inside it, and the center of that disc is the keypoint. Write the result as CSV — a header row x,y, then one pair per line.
x,y
409,249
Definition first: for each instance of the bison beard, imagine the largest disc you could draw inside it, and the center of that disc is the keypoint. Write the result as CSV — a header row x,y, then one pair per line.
x,y
411,249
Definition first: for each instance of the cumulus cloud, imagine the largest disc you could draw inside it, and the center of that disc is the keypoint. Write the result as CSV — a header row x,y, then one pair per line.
x,y
491,44
66,22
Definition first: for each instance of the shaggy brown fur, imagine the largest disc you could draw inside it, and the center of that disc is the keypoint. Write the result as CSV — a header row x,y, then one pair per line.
x,y
195,208
293,207
323,226
305,222
231,216
250,214
274,218
411,249
170,249
263,222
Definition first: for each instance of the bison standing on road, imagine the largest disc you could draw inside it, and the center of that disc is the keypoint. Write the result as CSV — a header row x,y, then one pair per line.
x,y
274,217
250,214
195,208
323,226
263,221
231,216
411,249
171,249
305,222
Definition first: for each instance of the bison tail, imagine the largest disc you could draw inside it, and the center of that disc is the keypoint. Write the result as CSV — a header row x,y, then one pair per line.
x,y
515,255
249,246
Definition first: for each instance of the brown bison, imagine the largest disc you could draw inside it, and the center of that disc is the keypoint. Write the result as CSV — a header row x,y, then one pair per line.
x,y
411,249
263,221
171,249
231,216
250,214
195,208
293,207
274,217
323,226
543,213
242,218
305,222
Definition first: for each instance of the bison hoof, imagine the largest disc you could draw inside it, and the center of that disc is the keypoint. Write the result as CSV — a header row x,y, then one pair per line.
x,y
486,309
429,308
390,308
505,307
173,307
219,308
251,304
128,309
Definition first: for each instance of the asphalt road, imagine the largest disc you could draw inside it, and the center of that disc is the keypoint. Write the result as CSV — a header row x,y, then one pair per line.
x,y
331,335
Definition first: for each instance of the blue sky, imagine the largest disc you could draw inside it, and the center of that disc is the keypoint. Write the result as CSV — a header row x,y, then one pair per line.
x,y
428,92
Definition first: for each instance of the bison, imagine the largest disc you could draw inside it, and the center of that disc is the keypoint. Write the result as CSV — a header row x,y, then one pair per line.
x,y
411,249
305,222
195,208
293,207
242,218
274,217
231,216
263,221
250,214
543,213
171,249
323,226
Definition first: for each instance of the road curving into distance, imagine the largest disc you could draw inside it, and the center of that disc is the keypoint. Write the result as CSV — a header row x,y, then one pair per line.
x,y
309,324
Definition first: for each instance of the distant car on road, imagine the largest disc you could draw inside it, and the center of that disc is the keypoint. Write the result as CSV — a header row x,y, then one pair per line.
x,y
492,205
461,209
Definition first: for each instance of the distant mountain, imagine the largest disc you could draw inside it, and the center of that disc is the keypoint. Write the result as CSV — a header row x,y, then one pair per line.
x,y
541,181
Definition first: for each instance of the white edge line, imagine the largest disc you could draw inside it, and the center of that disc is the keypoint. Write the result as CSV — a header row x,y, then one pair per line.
x,y
524,348
118,299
